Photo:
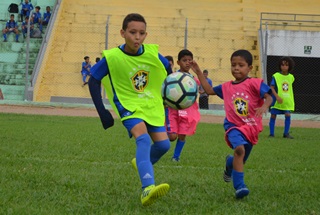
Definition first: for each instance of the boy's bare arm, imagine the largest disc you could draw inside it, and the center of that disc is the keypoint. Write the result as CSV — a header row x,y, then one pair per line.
x,y
279,99
206,86
264,108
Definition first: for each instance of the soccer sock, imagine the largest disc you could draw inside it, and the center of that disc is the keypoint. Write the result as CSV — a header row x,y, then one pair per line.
x,y
229,164
84,78
144,165
40,27
287,123
238,181
272,122
158,149
5,36
178,149
17,36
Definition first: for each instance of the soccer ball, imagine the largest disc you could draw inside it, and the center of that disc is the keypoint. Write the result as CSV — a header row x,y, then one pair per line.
x,y
179,90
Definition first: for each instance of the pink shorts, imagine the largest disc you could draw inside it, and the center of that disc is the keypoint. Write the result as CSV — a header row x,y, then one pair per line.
x,y
183,121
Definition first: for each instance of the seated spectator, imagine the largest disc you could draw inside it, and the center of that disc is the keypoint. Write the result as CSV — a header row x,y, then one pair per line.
x,y
85,71
25,27
46,16
36,18
11,26
26,8
97,59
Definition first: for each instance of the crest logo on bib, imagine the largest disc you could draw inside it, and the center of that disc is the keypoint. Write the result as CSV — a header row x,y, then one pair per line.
x,y
285,86
241,106
140,80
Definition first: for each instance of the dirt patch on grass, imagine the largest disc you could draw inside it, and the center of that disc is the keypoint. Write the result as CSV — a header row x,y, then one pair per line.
x,y
91,112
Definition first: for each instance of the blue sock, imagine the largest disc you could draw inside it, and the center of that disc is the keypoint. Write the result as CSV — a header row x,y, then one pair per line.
x,y
230,162
17,36
178,149
144,165
158,149
229,165
272,122
287,123
238,181
5,36
84,78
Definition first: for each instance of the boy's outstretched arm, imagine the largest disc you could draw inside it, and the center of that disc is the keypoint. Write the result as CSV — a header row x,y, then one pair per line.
x,y
95,92
206,86
264,108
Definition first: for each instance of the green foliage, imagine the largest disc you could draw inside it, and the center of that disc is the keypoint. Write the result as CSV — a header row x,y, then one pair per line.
x,y
70,165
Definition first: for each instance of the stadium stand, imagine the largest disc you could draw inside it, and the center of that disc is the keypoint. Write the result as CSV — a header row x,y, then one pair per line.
x,y
215,29
13,55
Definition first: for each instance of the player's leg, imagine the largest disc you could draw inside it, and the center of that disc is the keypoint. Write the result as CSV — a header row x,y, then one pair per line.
x,y
241,153
272,122
179,146
161,143
287,123
150,192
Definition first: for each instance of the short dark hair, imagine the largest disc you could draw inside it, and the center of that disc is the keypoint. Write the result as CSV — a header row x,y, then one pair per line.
x,y
38,7
289,60
97,59
184,52
205,71
245,54
169,58
12,15
132,17
86,57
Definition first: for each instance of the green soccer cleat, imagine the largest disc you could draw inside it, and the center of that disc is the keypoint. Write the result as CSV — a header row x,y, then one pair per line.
x,y
134,164
152,192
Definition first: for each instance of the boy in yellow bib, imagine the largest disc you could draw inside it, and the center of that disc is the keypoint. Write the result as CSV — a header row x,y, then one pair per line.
x,y
282,93
132,75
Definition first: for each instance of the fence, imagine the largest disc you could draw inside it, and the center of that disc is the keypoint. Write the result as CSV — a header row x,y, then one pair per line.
x,y
210,45
297,36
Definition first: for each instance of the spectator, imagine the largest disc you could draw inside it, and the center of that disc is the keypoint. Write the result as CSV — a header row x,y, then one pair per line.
x,y
36,18
170,59
85,71
46,16
11,26
97,59
25,27
26,8
204,98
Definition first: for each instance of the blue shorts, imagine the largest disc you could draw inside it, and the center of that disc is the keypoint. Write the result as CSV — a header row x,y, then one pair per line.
x,y
130,123
236,138
277,111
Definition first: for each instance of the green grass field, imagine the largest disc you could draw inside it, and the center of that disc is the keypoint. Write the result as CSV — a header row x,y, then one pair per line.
x,y
70,165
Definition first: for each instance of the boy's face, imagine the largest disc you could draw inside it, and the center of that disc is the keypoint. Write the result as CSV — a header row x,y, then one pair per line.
x,y
87,60
48,9
11,18
134,36
240,68
185,63
284,66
